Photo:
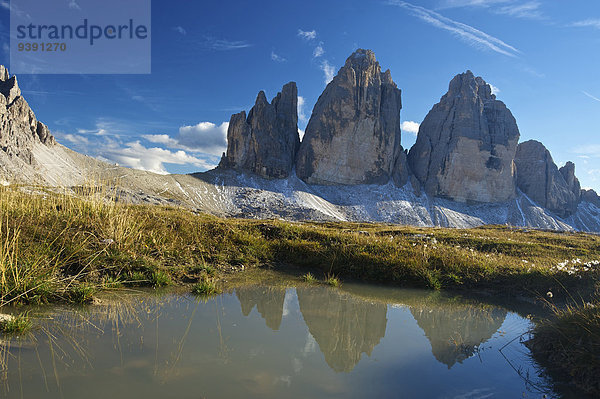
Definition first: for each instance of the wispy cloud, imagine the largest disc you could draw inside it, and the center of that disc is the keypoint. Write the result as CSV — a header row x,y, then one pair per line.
x,y
469,3
495,90
277,57
73,5
590,95
226,45
180,29
410,127
307,35
466,33
301,109
319,51
328,71
527,10
587,23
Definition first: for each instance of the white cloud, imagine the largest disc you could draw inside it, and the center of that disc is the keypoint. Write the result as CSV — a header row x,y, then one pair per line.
x,y
180,30
136,156
328,71
73,5
466,33
590,95
470,3
588,23
495,90
301,110
530,9
307,35
319,51
226,45
277,58
301,133
205,137
589,150
75,139
410,127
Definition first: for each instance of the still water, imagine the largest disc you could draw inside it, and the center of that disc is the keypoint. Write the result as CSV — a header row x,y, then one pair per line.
x,y
306,342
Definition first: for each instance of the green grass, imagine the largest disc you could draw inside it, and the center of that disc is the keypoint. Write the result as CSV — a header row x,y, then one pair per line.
x,y
16,324
568,345
205,287
51,242
332,281
309,278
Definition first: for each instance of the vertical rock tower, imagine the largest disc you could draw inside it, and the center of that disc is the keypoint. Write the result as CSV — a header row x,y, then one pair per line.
x,y
19,128
265,142
466,145
541,180
353,135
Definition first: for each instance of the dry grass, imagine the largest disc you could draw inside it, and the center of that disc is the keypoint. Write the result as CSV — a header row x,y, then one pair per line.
x,y
52,243
569,346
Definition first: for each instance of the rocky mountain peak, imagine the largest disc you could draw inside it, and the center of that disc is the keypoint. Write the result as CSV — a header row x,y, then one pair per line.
x,y
353,135
540,179
19,128
265,142
466,145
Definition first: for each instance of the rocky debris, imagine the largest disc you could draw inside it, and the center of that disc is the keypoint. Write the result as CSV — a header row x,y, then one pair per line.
x,y
590,196
466,145
353,135
539,178
568,173
19,128
265,142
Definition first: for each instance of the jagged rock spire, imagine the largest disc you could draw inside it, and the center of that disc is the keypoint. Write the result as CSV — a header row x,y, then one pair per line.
x,y
265,142
466,145
353,136
541,180
19,128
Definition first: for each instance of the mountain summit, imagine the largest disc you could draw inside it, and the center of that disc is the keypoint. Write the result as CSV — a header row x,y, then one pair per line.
x,y
466,145
353,135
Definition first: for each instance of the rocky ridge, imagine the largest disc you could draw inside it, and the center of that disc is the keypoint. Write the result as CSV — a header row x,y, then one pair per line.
x,y
257,178
265,142
19,128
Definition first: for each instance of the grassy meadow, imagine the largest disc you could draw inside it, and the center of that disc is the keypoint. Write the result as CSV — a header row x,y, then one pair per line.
x,y
60,247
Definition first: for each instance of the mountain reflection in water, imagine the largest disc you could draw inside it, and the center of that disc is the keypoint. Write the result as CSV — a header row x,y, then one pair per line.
x,y
318,341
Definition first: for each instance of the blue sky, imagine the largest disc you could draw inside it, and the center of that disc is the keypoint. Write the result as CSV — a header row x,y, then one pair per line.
x,y
210,59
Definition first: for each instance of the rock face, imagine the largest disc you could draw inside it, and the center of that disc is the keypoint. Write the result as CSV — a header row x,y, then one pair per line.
x,y
19,128
353,135
265,142
466,145
539,178
568,173
590,196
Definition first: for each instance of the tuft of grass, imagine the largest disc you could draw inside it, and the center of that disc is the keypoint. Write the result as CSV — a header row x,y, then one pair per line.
x,y
332,281
568,345
160,279
205,287
15,324
309,278
82,293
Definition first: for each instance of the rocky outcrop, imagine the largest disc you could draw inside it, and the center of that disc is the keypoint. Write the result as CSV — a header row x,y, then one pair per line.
x,y
353,135
539,178
466,145
590,196
19,128
265,142
568,173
